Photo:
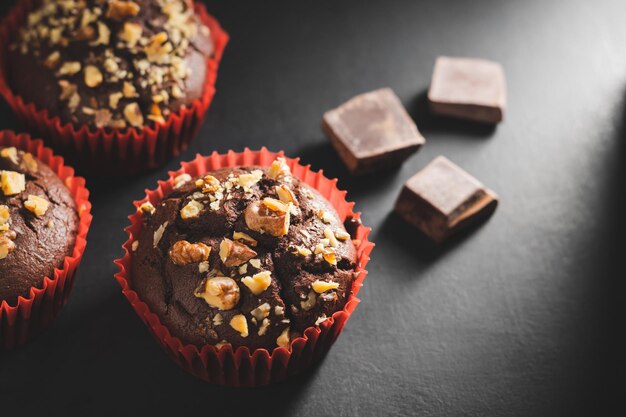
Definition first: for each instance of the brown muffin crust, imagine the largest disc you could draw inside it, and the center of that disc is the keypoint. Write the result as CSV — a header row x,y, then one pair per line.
x,y
38,223
111,63
245,256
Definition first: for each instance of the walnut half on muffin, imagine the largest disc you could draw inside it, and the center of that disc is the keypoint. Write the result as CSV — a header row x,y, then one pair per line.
x,y
245,256
111,63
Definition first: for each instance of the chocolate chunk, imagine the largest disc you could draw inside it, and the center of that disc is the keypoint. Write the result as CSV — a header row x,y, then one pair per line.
x,y
472,89
441,199
372,131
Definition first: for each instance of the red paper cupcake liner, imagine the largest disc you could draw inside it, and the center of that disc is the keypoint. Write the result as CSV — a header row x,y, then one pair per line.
x,y
33,313
242,367
112,151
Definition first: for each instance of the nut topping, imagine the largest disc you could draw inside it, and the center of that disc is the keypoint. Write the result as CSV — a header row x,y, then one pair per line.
x,y
36,205
263,219
286,195
283,339
10,154
184,253
279,168
93,76
323,286
146,208
259,282
6,242
192,209
12,182
235,253
249,240
219,292
240,324
120,10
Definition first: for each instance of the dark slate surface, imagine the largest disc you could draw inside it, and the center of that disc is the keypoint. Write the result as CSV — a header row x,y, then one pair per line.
x,y
521,317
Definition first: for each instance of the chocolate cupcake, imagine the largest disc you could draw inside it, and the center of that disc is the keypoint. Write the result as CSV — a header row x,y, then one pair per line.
x,y
38,223
245,256
111,63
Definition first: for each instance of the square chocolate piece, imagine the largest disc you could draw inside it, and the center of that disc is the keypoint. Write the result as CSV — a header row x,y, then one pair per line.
x,y
372,131
442,199
472,89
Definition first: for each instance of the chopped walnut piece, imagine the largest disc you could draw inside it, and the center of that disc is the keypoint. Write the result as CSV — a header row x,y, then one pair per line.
x,y
104,35
286,195
245,237
155,114
329,256
263,327
12,182
302,251
70,68
263,219
283,340
53,60
102,117
158,47
146,208
218,319
235,253
114,99
29,162
240,324
6,242
129,90
261,311
332,240
120,10
184,253
219,292
309,302
323,286
248,180
181,180
258,282
211,184
5,215
133,114
36,205
255,263
191,210
279,168
341,235
131,33
10,154
93,76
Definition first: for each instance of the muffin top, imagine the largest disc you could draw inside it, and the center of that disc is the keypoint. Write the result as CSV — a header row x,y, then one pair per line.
x,y
38,223
245,256
111,63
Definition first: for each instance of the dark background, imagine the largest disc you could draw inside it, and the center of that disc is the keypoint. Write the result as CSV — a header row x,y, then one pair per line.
x,y
521,317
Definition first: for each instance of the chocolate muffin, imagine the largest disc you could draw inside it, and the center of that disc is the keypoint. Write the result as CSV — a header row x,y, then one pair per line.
x,y
111,63
38,223
244,256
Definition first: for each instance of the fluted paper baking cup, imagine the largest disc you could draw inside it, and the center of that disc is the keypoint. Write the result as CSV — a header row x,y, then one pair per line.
x,y
241,367
112,151
35,311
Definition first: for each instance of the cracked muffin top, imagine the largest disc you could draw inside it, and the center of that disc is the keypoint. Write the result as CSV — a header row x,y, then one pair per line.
x,y
244,256
38,223
111,63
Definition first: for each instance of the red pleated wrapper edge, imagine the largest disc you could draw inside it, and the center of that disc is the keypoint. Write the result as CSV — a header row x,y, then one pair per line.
x,y
112,151
241,367
33,313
